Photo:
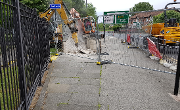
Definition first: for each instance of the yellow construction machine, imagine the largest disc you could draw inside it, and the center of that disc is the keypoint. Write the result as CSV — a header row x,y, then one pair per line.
x,y
169,30
170,33
63,11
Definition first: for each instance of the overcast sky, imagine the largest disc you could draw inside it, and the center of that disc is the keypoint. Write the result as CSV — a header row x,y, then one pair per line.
x,y
123,5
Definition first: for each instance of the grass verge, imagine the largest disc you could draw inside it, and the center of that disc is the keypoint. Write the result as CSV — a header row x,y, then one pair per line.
x,y
9,88
53,51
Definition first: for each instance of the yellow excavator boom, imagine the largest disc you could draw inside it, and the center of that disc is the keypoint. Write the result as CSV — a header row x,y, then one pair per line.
x,y
62,12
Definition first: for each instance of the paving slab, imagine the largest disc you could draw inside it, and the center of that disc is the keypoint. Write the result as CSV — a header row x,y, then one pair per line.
x,y
74,84
76,107
87,99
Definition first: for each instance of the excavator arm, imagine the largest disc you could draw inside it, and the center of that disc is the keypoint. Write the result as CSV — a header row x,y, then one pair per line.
x,y
47,14
63,11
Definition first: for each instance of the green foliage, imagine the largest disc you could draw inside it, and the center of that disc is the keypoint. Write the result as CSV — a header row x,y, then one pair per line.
x,y
101,26
91,10
6,15
108,27
170,14
53,51
141,6
40,5
80,6
68,3
10,83
116,27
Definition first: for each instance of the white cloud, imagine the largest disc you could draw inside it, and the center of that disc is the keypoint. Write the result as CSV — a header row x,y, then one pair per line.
x,y
123,5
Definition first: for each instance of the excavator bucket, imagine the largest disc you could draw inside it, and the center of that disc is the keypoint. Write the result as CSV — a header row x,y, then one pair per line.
x,y
75,38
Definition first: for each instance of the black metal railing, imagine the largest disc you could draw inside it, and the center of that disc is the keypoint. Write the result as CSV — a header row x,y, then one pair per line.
x,y
24,54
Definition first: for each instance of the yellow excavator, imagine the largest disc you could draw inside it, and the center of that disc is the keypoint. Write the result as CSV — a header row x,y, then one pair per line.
x,y
63,11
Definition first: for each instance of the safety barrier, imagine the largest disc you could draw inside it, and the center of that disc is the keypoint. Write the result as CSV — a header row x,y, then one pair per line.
x,y
86,45
144,42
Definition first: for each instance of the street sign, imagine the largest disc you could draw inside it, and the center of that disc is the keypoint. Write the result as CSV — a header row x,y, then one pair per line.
x,y
122,19
116,17
109,19
55,6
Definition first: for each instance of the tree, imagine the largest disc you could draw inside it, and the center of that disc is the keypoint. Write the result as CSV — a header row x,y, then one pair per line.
x,y
116,27
79,6
101,26
68,3
40,5
91,10
141,6
170,14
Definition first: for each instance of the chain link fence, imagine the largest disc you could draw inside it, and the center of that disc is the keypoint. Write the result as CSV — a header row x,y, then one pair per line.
x,y
137,38
81,44
149,41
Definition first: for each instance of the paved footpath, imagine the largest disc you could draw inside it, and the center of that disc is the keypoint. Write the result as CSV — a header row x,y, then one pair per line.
x,y
74,84
77,83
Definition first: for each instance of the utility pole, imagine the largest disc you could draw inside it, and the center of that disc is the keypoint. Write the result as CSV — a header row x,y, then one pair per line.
x,y
86,3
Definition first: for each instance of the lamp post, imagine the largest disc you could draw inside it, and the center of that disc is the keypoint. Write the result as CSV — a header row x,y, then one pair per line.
x,y
86,3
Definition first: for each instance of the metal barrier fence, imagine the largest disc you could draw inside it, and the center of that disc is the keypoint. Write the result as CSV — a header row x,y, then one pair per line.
x,y
24,54
146,42
86,47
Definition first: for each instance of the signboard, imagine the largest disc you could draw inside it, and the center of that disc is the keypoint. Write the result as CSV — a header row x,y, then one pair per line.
x,y
108,19
55,6
122,19
116,17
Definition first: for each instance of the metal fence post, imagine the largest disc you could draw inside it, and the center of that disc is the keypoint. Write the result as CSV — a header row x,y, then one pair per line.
x,y
0,103
176,88
164,44
104,32
38,32
99,58
20,57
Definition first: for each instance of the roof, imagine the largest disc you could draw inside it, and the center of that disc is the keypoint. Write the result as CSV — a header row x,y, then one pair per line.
x,y
146,14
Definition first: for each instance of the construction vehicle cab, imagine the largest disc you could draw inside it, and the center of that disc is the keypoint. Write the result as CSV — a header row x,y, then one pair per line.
x,y
172,22
88,25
